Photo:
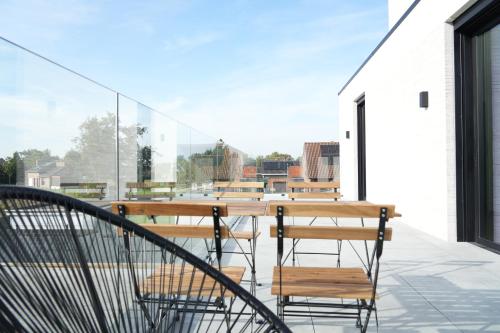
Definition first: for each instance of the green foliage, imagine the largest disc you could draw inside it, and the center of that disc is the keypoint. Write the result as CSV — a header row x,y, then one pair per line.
x,y
276,156
9,169
249,161
258,161
31,157
184,173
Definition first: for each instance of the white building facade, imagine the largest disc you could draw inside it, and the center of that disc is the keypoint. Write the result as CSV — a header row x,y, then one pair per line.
x,y
404,119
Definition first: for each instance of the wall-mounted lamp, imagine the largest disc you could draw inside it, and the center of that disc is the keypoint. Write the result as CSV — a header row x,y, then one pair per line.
x,y
347,134
424,99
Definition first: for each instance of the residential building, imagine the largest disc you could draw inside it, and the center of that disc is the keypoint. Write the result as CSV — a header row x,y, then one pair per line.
x,y
419,120
320,161
249,172
47,175
275,174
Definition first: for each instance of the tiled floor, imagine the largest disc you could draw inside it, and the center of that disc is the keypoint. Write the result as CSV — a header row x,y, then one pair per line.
x,y
426,285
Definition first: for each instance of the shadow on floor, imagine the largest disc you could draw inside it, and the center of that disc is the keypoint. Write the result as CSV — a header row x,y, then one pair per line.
x,y
431,303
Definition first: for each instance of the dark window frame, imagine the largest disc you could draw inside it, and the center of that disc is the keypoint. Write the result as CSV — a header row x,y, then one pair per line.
x,y
361,146
470,152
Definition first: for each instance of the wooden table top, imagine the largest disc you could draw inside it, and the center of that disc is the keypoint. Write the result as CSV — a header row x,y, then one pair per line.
x,y
263,208
239,207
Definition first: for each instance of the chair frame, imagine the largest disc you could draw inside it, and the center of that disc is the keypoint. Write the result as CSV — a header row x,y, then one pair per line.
x,y
218,304
250,256
355,309
80,263
311,186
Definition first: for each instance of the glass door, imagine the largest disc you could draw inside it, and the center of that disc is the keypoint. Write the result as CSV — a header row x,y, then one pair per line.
x,y
486,48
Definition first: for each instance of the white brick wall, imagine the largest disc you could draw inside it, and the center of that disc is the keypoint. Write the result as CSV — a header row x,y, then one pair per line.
x,y
410,151
396,9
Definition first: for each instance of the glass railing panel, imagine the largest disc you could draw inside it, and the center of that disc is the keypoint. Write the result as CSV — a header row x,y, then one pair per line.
x,y
59,129
234,159
183,162
203,161
130,132
67,133
163,149
147,152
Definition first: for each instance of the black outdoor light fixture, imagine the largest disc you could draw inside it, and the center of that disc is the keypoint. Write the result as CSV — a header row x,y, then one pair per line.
x,y
424,99
347,134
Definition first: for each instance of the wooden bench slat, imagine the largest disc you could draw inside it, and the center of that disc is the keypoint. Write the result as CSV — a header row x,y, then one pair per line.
x,y
184,231
331,232
193,231
134,195
314,195
256,185
239,195
188,280
354,209
83,186
314,185
351,283
149,185
176,208
244,234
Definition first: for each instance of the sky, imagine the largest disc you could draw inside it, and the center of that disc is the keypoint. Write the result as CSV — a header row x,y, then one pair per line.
x,y
261,75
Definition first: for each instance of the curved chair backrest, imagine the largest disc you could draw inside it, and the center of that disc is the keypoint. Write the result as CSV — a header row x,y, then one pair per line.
x,y
64,267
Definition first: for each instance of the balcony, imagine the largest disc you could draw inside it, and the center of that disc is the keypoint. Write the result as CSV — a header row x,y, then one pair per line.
x,y
69,134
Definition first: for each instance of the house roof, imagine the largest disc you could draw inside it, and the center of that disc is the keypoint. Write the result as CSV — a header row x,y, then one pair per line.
x,y
47,169
386,37
313,160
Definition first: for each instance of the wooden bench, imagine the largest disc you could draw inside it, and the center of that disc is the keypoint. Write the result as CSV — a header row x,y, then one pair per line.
x,y
150,190
84,190
239,190
327,282
314,190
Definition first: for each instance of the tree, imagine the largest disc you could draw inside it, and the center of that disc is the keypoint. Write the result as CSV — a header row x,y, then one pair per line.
x,y
258,161
9,169
93,157
184,172
250,161
33,157
276,156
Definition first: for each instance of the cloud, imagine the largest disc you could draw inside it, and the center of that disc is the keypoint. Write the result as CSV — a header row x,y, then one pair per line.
x,y
47,21
339,20
40,123
312,47
285,95
172,105
278,114
137,24
188,43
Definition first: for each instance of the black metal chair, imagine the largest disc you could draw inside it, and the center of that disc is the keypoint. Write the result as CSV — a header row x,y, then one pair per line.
x,y
65,266
316,288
